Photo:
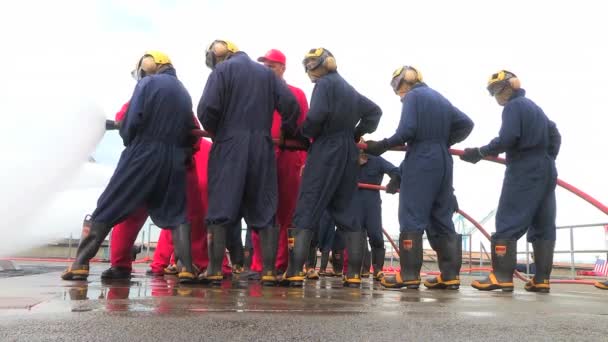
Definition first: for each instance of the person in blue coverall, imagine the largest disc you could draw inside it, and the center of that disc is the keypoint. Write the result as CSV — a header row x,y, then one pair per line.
x,y
429,125
151,171
337,118
371,171
527,201
237,108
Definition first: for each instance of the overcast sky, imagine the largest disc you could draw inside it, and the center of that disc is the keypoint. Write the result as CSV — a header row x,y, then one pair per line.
x,y
557,48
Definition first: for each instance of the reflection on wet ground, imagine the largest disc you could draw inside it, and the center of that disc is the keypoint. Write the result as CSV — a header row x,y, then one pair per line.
x,y
49,294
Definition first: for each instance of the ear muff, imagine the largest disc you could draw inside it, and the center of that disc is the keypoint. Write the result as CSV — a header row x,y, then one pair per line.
x,y
218,52
412,76
405,74
319,57
499,80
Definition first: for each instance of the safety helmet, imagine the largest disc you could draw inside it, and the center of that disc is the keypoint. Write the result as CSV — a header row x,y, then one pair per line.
x,y
317,57
212,53
407,74
499,81
158,57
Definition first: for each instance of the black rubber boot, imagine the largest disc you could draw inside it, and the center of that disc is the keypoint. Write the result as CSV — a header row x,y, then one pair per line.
x,y
298,244
269,240
311,263
216,246
366,263
449,258
354,247
543,258
237,257
324,262
93,235
182,241
116,273
337,262
410,258
504,259
378,255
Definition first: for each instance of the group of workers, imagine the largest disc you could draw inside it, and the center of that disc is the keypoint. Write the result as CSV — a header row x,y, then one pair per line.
x,y
292,171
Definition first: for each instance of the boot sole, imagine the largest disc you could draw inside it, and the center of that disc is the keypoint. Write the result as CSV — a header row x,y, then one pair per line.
x,y
442,287
75,278
353,285
495,287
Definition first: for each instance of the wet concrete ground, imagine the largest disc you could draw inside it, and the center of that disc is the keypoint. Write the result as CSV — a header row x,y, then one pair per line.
x,y
42,307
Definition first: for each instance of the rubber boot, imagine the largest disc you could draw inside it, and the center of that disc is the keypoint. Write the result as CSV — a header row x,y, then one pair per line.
x,y
367,261
237,258
182,244
116,273
354,246
504,258
93,234
601,285
311,263
324,261
378,255
216,246
543,258
449,257
298,245
269,239
410,259
337,262
247,273
247,253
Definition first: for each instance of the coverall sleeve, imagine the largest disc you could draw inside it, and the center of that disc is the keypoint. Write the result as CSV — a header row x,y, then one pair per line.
x,y
287,106
406,131
319,109
555,140
461,127
120,115
509,134
388,168
135,113
210,107
370,116
303,103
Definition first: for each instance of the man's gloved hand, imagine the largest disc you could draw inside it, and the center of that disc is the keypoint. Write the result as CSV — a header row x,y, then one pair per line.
x,y
376,148
393,185
112,125
471,155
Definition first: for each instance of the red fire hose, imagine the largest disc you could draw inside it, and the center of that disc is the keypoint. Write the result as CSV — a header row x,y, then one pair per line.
x,y
578,192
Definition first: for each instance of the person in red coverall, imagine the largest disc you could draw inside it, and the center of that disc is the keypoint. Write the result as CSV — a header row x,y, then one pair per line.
x,y
289,165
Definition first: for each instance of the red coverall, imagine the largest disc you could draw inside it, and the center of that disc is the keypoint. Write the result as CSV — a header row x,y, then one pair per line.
x,y
289,166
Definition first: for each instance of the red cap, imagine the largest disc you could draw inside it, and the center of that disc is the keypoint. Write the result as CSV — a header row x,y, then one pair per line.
x,y
273,55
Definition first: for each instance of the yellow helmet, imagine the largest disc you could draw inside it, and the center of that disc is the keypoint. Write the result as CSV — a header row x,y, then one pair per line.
x,y
407,74
317,57
214,53
159,57
500,80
